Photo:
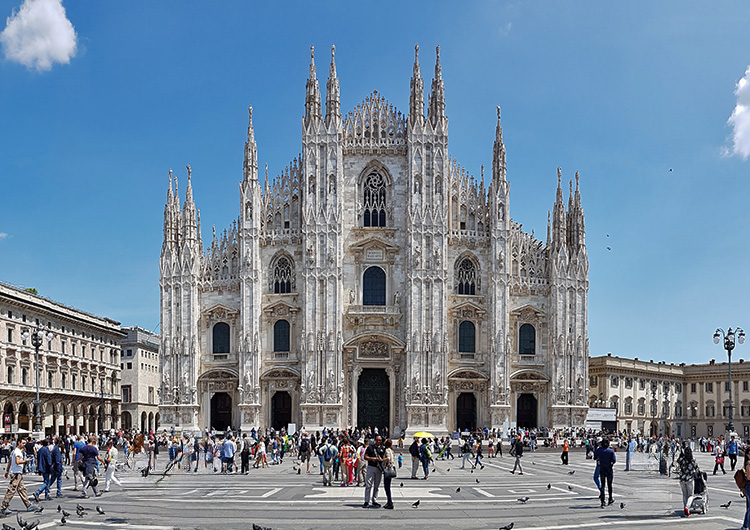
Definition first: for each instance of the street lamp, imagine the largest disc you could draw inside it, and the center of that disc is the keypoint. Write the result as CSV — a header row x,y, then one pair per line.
x,y
729,338
654,406
101,414
37,339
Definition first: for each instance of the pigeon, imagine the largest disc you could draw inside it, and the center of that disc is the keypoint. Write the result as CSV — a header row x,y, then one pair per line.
x,y
448,470
20,521
32,526
609,248
434,470
7,527
416,504
477,480
572,472
507,527
299,471
472,470
401,485
523,500
59,508
670,170
65,514
726,505
570,487
533,463
99,510
622,505
80,508
258,527
458,489
40,509
549,486
63,521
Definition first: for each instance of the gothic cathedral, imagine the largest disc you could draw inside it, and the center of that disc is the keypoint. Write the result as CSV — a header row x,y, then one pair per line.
x,y
374,282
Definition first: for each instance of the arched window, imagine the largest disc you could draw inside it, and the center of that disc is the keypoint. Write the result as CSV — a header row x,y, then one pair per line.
x,y
281,335
373,286
221,337
466,337
466,277
281,281
527,340
374,201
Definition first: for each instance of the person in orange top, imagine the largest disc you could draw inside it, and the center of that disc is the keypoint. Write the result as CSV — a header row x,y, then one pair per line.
x,y
564,455
346,460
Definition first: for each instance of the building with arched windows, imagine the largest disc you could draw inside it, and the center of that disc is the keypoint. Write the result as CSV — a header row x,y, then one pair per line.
x,y
374,282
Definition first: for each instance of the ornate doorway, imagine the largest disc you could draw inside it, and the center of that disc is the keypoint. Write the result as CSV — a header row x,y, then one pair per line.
x,y
527,411
281,410
466,412
373,398
221,411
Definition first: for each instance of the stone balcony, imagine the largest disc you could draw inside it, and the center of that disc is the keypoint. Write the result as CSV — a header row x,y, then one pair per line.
x,y
374,315
528,361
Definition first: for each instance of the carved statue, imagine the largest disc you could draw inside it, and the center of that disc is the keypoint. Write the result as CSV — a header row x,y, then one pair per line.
x,y
351,296
397,298
332,185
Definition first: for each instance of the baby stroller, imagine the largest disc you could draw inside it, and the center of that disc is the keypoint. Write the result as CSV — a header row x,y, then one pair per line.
x,y
700,494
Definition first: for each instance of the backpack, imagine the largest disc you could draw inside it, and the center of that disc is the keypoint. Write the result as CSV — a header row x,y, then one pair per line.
x,y
740,479
328,453
304,446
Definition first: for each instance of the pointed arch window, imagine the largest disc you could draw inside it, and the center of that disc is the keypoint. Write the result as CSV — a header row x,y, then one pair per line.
x,y
466,277
527,340
282,278
467,337
373,286
374,201
221,337
281,336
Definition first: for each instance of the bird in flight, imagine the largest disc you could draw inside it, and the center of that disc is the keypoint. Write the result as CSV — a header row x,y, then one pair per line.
x,y
726,505
670,169
609,248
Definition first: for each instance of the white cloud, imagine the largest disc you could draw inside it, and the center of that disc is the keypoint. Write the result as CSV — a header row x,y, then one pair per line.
x,y
3,235
503,31
740,118
39,35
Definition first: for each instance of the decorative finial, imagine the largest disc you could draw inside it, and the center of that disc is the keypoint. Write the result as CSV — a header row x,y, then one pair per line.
x,y
559,176
498,113
250,112
312,52
416,52
333,51
482,171
190,171
266,171
170,174
577,179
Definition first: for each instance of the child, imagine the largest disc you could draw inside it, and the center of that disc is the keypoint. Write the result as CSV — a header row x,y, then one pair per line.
x,y
400,460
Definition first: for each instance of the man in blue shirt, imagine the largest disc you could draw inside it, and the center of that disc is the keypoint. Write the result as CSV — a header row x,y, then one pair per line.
x,y
57,466
44,465
606,457
732,451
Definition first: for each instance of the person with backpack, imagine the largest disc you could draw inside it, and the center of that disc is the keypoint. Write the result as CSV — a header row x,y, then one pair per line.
x,y
414,452
687,467
245,455
328,451
304,451
466,454
425,456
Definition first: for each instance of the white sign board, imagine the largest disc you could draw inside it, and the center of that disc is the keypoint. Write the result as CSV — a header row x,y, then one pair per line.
x,y
601,415
291,428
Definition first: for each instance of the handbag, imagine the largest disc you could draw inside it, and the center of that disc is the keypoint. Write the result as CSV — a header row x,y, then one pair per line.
x,y
389,471
719,459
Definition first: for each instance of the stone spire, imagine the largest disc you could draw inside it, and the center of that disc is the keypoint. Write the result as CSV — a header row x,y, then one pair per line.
x,y
333,98
250,166
498,151
169,229
312,97
436,110
189,215
578,227
416,96
559,217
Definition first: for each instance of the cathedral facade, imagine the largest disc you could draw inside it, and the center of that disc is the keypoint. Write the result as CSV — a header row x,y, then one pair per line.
x,y
374,282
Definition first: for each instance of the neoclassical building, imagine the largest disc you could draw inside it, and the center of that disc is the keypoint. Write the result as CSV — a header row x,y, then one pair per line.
x,y
374,281
78,366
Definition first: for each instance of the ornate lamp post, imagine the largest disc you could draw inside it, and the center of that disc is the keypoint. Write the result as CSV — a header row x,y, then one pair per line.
x,y
101,409
654,406
37,339
729,340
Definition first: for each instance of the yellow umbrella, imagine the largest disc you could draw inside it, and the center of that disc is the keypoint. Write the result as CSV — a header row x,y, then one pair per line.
x,y
423,434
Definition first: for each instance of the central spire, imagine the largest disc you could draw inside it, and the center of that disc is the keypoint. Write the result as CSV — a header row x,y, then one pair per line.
x,y
312,98
251,150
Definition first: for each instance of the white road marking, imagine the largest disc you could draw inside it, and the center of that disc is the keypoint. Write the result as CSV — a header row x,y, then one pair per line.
x,y
482,492
509,468
269,493
660,522
349,493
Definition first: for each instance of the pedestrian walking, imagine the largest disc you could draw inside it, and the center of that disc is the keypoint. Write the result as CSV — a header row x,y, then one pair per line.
x,y
719,459
425,456
389,472
110,465
606,457
374,456
14,469
564,455
89,458
245,455
732,451
346,457
687,469
77,446
328,451
517,451
44,465
304,451
57,466
746,470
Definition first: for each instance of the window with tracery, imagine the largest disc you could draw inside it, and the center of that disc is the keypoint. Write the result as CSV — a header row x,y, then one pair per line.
x,y
466,277
282,280
374,201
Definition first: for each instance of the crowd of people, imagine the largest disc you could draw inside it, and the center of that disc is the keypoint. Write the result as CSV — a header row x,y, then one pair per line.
x,y
346,457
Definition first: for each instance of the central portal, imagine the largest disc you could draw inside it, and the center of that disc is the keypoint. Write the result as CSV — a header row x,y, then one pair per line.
x,y
221,411
374,399
281,410
526,407
466,412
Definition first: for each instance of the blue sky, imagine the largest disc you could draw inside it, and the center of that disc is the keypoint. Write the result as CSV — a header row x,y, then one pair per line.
x,y
620,93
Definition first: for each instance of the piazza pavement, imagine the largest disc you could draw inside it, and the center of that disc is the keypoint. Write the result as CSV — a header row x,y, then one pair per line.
x,y
279,498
